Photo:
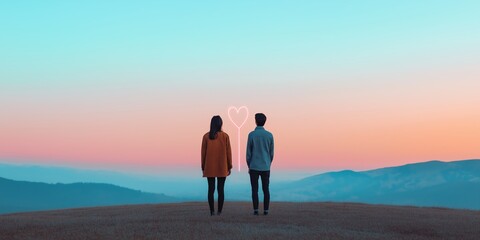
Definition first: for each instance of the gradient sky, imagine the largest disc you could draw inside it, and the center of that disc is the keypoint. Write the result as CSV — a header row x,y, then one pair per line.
x,y
133,84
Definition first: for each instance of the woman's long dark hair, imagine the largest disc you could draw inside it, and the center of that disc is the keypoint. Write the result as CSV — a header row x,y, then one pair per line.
x,y
215,126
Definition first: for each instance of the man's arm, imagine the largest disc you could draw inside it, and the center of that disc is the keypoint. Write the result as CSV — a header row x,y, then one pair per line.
x,y
271,150
249,150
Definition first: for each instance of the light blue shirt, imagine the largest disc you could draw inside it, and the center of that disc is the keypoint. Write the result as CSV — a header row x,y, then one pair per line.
x,y
260,149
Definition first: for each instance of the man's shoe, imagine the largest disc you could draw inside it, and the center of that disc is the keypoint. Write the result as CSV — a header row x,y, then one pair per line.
x,y
255,213
265,213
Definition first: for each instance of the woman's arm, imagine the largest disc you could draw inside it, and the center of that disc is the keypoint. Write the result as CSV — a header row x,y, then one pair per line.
x,y
229,154
204,152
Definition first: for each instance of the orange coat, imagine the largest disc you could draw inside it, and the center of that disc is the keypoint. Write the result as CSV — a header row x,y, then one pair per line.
x,y
216,155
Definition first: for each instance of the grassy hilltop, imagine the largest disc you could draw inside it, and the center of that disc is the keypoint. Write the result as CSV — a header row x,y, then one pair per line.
x,y
286,221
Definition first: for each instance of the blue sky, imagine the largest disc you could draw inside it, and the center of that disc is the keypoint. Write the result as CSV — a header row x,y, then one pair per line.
x,y
374,83
161,36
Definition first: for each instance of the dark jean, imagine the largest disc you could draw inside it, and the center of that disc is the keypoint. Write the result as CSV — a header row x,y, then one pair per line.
x,y
265,176
220,190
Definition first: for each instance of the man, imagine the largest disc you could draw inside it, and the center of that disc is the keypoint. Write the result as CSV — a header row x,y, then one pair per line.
x,y
259,159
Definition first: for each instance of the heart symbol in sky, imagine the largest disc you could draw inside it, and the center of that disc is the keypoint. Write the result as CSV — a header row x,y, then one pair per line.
x,y
235,113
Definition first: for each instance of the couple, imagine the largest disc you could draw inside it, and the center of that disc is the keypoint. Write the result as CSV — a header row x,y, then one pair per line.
x,y
217,161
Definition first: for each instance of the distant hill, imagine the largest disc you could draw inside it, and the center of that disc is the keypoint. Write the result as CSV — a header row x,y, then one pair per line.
x,y
285,221
442,184
21,196
188,183
435,183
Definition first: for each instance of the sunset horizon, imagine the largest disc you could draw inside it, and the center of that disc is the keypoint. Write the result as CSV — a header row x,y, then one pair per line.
x,y
344,85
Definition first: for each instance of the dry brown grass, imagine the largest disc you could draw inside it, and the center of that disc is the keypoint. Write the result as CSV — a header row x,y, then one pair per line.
x,y
286,221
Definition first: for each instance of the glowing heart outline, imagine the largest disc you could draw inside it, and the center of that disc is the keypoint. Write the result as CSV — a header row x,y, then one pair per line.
x,y
237,110
238,127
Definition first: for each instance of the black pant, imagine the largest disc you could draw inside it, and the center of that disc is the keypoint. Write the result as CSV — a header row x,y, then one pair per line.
x,y
211,191
265,176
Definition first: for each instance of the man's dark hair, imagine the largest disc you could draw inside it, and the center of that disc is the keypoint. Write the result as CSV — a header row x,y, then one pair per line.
x,y
260,119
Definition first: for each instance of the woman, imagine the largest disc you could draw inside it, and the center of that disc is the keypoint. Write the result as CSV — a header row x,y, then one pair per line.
x,y
216,161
